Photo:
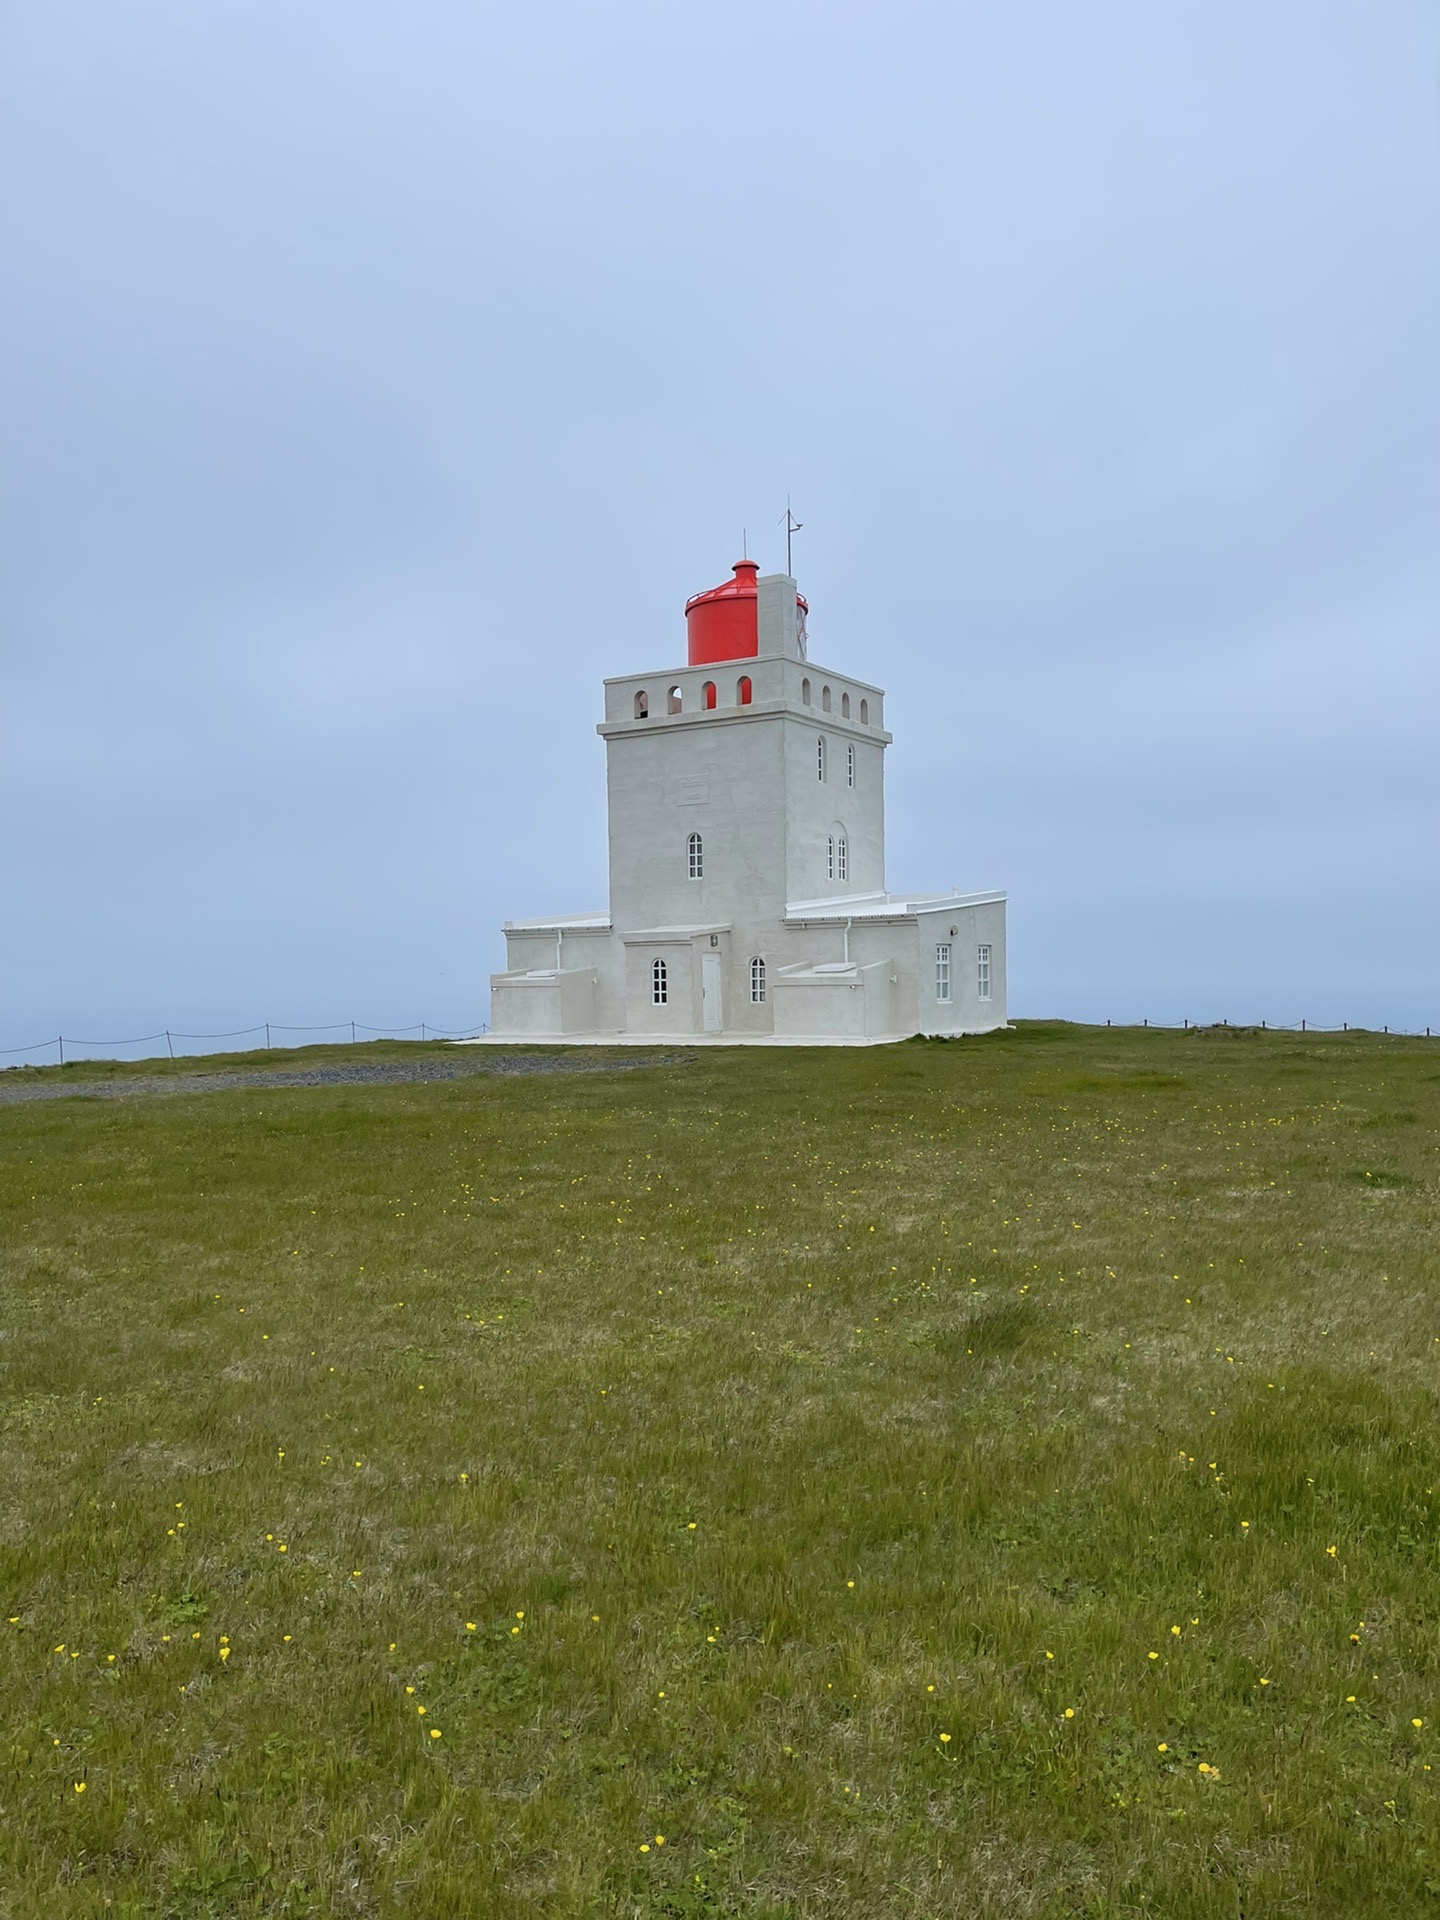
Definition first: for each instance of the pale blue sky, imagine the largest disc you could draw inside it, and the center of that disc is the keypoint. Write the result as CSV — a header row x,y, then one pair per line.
x,y
377,378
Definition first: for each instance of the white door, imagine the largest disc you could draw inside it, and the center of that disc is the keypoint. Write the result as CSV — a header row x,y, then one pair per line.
x,y
710,992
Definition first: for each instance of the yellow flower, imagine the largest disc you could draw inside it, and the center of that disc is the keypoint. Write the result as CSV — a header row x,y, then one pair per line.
x,y
1175,1631
1162,1748
946,1738
1069,1713
659,1839
644,1846
434,1733
1152,1656
1332,1551
1417,1723
79,1786
470,1626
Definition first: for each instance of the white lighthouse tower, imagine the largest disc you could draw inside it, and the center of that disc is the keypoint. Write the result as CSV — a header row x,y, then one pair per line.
x,y
747,863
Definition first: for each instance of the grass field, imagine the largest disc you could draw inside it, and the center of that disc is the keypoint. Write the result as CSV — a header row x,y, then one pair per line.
x,y
994,1478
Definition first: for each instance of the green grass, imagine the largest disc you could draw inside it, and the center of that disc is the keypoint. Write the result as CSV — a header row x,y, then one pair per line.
x,y
770,1451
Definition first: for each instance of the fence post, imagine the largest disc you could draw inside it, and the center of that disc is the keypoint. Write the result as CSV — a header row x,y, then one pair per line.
x,y
267,1036
60,1042
170,1043
1302,1026
422,1029
352,1033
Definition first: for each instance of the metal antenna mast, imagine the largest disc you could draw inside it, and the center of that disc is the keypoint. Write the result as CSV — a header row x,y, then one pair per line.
x,y
792,526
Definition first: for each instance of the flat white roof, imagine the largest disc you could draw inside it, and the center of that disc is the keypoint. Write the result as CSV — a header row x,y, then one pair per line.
x,y
560,923
883,906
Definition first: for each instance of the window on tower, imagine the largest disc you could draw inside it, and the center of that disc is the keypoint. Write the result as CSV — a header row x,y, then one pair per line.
x,y
742,691
830,855
844,706
659,984
850,765
864,713
820,757
642,706
707,696
674,700
805,691
825,699
697,857
842,857
757,982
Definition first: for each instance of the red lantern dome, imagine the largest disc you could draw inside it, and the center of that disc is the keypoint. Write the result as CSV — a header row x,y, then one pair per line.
x,y
723,624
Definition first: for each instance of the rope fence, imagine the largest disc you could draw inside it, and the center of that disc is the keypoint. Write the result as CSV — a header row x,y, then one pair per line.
x,y
354,1028
426,1031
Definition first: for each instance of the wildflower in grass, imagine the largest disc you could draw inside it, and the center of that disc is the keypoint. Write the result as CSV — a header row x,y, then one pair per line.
x,y
79,1786
945,1739
1332,1551
1349,1699
470,1626
434,1733
1069,1713
659,1839
1176,1632
1163,1747
1417,1723
1263,1681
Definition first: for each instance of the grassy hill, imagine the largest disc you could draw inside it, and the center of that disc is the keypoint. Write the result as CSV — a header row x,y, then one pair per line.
x,y
996,1478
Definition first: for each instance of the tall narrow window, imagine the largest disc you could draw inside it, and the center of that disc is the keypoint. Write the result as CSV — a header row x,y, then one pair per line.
x,y
982,972
642,706
864,713
830,855
707,695
942,971
757,983
844,706
742,691
659,983
820,757
805,691
850,765
842,857
674,700
697,857
825,699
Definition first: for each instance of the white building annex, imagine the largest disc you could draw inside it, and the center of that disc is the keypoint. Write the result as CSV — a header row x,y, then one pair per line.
x,y
747,863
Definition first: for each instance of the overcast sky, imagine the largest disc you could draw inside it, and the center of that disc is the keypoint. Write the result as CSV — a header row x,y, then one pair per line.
x,y
378,378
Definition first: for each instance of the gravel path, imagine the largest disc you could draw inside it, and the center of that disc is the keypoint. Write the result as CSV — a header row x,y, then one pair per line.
x,y
376,1073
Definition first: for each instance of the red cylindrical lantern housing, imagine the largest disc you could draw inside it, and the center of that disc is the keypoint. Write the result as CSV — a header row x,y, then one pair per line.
x,y
724,624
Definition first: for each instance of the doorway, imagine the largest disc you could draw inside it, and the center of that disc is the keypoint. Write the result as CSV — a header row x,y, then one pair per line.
x,y
710,1009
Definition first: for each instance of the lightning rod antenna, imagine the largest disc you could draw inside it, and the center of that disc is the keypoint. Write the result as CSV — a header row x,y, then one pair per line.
x,y
792,526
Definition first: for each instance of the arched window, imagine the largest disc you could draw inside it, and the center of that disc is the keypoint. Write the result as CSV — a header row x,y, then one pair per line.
x,y
844,706
697,856
673,700
707,696
830,855
659,983
820,757
864,713
805,691
850,764
842,857
742,691
642,706
757,983
825,699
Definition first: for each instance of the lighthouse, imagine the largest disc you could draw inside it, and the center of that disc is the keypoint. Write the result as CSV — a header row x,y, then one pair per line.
x,y
747,898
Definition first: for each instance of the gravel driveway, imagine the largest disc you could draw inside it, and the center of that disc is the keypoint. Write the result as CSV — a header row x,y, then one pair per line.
x,y
375,1073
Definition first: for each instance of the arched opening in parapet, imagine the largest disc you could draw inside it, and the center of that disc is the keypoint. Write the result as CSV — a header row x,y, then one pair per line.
x,y
864,713
742,690
674,700
805,691
844,706
825,699
642,706
707,696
